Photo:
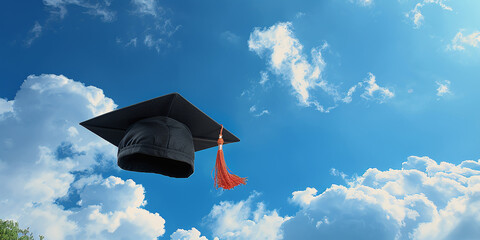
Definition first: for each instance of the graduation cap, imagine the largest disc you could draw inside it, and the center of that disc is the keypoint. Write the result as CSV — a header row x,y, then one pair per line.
x,y
161,135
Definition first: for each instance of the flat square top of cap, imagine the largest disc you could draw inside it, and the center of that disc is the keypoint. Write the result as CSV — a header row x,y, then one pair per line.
x,y
112,126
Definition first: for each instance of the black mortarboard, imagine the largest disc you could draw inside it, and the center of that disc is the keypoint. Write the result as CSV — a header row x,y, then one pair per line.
x,y
160,135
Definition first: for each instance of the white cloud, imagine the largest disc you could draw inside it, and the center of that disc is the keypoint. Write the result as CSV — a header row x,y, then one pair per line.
x,y
230,37
58,9
286,59
99,8
151,42
232,221
299,15
105,14
443,88
253,109
72,131
416,13
192,234
132,42
364,2
42,152
460,41
159,30
59,6
423,200
35,33
146,7
373,91
263,77
112,209
156,32
263,112
5,106
303,198
348,96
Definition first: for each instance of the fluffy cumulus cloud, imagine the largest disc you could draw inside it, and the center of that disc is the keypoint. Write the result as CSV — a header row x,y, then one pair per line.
x,y
244,220
46,159
422,200
416,13
286,58
5,106
116,213
192,234
460,41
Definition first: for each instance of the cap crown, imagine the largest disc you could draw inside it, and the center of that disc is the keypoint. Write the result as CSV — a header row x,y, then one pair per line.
x,y
157,145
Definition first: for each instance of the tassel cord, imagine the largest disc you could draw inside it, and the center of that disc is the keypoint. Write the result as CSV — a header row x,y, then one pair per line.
x,y
223,178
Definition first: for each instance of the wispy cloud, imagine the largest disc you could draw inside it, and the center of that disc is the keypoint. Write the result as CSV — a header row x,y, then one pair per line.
x,y
146,7
159,29
156,33
150,42
230,37
35,33
443,88
59,8
99,8
253,109
263,112
299,15
263,77
132,42
363,2
286,59
416,13
373,91
459,42
104,13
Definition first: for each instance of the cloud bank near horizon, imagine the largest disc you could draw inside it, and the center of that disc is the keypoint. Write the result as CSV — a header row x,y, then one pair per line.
x,y
421,200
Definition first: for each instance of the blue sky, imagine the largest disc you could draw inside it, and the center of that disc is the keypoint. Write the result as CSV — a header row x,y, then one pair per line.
x,y
357,118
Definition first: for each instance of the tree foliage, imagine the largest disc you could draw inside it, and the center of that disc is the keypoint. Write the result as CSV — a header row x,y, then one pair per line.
x,y
9,230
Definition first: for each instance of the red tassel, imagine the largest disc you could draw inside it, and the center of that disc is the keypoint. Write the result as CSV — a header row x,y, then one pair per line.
x,y
223,178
